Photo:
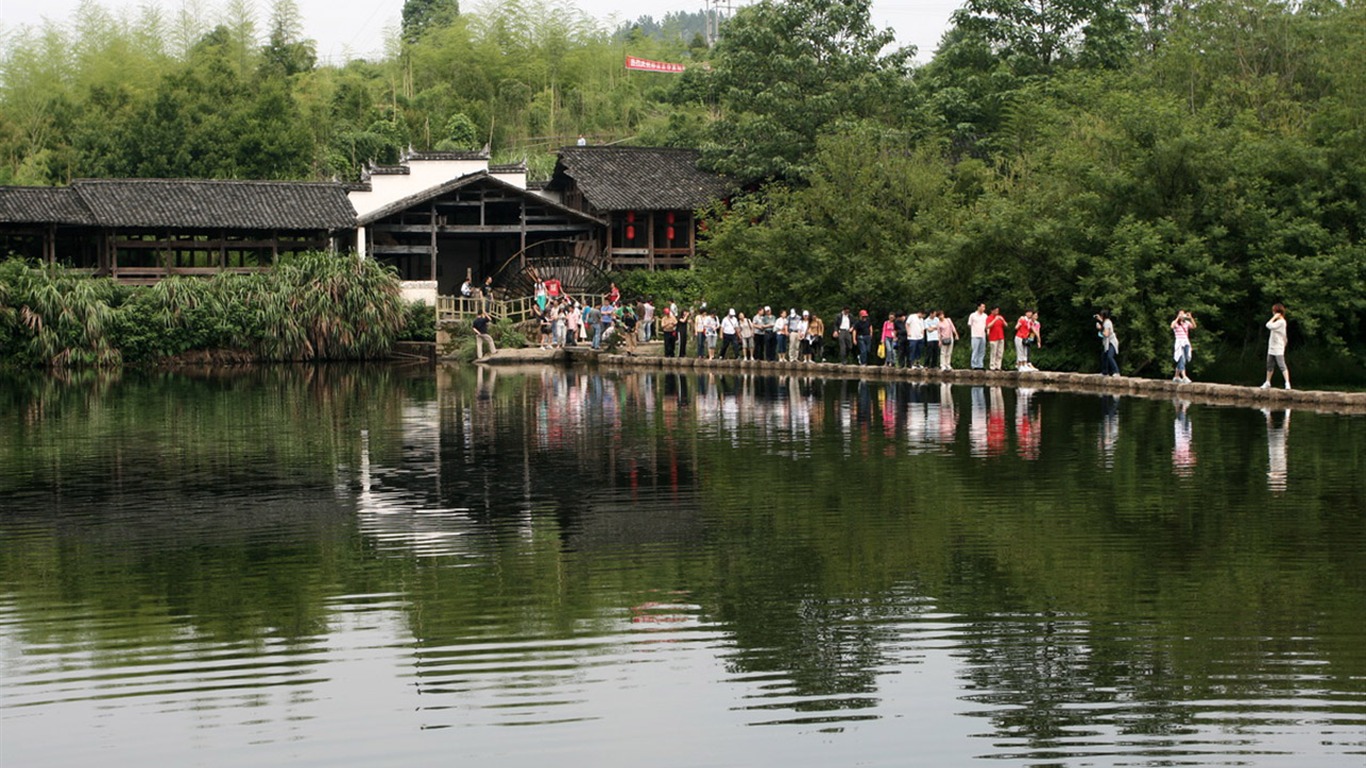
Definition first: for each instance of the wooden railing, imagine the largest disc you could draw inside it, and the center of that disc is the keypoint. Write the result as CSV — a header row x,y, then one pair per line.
x,y
452,308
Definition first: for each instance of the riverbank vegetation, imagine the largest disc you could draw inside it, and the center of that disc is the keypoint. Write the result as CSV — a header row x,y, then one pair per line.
x,y
313,307
1134,157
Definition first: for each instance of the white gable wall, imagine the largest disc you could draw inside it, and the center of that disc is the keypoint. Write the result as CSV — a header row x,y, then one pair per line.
x,y
386,188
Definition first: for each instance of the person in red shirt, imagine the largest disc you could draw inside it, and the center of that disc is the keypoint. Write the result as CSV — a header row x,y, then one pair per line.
x,y
1024,330
996,338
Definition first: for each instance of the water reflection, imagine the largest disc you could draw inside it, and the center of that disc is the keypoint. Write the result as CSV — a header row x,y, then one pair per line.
x,y
1277,430
377,560
1183,450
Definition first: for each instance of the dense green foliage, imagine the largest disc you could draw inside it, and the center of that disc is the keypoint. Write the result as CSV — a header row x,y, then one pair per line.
x,y
142,95
313,307
1215,162
1069,156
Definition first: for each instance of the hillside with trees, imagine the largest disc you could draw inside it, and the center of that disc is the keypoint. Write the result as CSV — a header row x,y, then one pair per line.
x,y
1135,156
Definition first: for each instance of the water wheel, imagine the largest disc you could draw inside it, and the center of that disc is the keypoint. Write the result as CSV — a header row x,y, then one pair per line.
x,y
577,264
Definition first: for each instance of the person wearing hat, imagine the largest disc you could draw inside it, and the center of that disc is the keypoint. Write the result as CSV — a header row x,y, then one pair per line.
x,y
763,334
730,330
844,332
863,336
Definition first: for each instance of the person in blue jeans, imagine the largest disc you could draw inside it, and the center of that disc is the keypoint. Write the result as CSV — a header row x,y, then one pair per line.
x,y
1109,350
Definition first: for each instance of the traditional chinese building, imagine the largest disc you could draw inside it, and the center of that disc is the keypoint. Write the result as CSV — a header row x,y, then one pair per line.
x,y
647,197
436,217
140,230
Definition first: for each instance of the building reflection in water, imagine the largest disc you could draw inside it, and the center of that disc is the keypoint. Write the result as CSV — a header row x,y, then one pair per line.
x,y
1277,430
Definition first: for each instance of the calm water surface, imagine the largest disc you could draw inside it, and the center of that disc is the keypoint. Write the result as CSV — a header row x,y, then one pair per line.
x,y
342,566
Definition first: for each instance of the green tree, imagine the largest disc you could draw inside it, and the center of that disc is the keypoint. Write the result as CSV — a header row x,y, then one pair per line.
x,y
785,73
419,16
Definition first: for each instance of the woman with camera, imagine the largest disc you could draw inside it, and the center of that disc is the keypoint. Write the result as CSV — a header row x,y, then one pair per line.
x,y
1181,349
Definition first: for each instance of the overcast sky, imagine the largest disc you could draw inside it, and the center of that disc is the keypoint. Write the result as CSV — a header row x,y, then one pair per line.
x,y
350,28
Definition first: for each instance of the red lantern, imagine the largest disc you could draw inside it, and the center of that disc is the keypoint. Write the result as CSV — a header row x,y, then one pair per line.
x,y
669,232
630,217
630,232
669,217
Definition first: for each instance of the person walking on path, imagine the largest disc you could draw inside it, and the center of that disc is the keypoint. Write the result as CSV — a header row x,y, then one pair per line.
x,y
1275,346
668,326
863,335
977,331
629,326
481,335
815,334
889,341
1109,344
844,332
746,337
1181,346
948,334
996,337
730,335
932,340
1024,337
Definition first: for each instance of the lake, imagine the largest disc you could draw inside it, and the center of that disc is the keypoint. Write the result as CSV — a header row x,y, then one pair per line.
x,y
391,566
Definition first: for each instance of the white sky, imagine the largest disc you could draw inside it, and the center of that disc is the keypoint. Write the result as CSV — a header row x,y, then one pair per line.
x,y
351,28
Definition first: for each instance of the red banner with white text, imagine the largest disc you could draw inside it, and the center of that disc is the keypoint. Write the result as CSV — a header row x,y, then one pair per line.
x,y
645,65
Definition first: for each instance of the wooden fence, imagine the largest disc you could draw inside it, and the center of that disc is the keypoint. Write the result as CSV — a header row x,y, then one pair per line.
x,y
453,308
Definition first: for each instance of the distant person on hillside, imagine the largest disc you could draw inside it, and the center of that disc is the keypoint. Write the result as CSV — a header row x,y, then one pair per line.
x,y
582,142
1275,346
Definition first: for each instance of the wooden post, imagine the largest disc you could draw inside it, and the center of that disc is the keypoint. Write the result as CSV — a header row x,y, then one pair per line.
x,y
650,238
433,242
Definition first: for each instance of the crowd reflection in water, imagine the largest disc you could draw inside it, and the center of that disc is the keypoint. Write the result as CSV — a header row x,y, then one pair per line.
x,y
578,410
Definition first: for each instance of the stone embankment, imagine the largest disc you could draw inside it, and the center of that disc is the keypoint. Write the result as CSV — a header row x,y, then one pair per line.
x,y
1086,383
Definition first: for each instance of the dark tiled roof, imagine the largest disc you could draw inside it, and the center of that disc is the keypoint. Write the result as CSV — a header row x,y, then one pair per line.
x,y
42,205
508,168
201,204
387,170
481,177
482,154
638,178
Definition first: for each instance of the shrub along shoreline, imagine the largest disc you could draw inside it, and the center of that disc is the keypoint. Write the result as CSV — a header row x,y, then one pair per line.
x,y
315,306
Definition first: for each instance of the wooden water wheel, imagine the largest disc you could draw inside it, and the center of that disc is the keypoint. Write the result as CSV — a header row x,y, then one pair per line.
x,y
577,264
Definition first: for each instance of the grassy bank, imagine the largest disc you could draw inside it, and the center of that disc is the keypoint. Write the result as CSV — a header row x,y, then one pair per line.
x,y
312,307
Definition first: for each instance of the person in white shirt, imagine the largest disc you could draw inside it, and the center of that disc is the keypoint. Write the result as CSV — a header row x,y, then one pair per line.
x,y
796,333
1275,346
915,337
932,340
977,330
730,328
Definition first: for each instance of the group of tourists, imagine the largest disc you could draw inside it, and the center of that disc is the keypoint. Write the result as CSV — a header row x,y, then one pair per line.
x,y
918,339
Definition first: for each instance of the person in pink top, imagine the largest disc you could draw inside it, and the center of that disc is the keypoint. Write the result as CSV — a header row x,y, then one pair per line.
x,y
948,334
889,340
1181,347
